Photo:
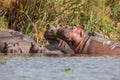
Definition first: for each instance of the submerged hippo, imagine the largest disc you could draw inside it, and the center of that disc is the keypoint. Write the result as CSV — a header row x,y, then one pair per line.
x,y
83,43
15,42
55,42
11,48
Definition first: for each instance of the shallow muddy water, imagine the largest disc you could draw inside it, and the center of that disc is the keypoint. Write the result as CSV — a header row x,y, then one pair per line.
x,y
54,68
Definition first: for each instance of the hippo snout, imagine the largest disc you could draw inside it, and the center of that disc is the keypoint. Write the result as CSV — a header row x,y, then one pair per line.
x,y
63,34
50,33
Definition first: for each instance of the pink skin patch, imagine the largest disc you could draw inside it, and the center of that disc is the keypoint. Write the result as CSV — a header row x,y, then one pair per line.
x,y
76,36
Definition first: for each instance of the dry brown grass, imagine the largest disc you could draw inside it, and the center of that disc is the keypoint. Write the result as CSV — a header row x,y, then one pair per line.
x,y
39,37
6,4
94,15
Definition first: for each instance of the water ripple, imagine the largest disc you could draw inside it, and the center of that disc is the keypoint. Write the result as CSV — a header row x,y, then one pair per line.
x,y
50,68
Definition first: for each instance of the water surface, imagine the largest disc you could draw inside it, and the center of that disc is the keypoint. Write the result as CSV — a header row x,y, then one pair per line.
x,y
53,68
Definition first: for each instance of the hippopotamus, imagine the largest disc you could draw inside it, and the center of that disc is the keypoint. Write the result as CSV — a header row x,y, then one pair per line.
x,y
16,42
83,43
11,48
55,42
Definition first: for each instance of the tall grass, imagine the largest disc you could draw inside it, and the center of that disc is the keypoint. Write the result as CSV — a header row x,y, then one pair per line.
x,y
3,23
32,16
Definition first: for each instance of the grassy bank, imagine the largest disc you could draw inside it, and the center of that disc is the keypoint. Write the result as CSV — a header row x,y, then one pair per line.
x,y
32,16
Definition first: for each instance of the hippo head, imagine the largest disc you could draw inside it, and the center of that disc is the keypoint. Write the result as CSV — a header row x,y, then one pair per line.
x,y
64,33
72,35
36,49
51,31
11,48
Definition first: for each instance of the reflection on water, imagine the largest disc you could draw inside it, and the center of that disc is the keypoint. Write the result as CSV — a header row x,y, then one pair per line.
x,y
50,68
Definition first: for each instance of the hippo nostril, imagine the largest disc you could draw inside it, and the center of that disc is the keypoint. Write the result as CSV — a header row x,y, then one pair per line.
x,y
52,31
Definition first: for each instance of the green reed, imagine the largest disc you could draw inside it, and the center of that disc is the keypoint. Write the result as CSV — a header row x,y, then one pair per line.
x,y
32,16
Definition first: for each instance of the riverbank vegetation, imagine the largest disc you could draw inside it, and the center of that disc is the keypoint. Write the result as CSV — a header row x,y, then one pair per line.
x,y
32,16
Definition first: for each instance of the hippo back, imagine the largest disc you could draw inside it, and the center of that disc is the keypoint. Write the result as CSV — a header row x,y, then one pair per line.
x,y
14,37
101,46
25,46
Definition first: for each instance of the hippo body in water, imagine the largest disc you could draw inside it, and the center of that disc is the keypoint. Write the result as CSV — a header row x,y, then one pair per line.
x,y
83,43
16,39
15,42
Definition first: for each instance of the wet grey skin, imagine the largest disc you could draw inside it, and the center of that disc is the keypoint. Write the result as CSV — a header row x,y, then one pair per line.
x,y
8,40
50,33
14,37
63,33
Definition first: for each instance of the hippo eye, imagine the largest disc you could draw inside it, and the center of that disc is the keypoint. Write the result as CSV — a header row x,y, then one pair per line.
x,y
52,31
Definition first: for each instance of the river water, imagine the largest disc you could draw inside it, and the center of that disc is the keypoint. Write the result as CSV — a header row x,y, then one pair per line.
x,y
55,68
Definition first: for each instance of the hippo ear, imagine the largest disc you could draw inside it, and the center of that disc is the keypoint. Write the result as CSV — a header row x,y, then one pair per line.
x,y
81,33
32,44
5,43
58,26
48,25
17,44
